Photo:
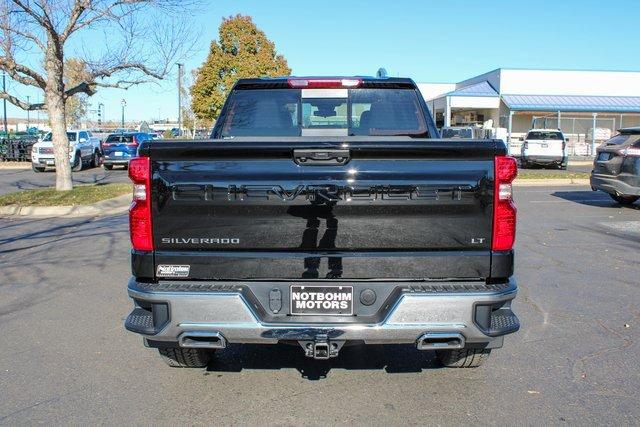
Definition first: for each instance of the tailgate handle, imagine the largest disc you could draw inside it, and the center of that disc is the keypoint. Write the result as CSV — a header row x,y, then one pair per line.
x,y
320,157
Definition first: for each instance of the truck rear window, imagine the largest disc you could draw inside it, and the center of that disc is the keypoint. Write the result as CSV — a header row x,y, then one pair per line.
x,y
71,136
120,138
457,133
332,112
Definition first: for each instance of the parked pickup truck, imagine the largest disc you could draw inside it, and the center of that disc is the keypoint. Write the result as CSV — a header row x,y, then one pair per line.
x,y
323,212
84,149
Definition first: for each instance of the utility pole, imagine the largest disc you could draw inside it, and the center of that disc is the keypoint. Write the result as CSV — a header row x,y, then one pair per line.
x,y
28,118
4,102
100,107
124,104
180,98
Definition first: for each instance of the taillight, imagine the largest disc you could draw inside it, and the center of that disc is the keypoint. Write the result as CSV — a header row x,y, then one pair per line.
x,y
324,83
504,211
140,209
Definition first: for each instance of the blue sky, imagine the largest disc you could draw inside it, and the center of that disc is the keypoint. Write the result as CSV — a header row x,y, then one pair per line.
x,y
430,41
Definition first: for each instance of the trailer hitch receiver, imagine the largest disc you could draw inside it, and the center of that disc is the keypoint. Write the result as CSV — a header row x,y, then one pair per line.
x,y
321,348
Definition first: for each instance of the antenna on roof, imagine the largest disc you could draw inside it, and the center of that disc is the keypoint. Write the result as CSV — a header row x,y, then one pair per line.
x,y
382,73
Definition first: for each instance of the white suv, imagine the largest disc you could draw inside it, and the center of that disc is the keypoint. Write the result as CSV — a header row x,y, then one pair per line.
x,y
84,149
544,147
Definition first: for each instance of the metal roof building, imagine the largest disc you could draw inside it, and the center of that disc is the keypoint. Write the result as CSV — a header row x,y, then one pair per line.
x,y
521,99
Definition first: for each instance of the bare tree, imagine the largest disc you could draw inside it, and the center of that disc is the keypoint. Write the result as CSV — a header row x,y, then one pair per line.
x,y
123,43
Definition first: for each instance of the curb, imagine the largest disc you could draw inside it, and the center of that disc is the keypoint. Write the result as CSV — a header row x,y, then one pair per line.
x,y
113,206
14,165
550,182
581,163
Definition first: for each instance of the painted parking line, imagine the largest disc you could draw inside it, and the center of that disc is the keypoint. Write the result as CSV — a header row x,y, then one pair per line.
x,y
573,201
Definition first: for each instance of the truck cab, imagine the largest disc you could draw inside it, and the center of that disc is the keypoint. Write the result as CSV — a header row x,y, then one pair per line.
x,y
84,150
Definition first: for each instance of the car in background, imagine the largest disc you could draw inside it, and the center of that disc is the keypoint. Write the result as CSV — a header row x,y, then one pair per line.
x,y
84,149
544,147
616,169
118,148
201,134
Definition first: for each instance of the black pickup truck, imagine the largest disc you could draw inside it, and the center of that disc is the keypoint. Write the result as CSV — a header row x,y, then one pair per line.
x,y
323,212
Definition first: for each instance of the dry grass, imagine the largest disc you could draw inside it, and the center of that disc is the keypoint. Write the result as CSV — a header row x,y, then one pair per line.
x,y
80,195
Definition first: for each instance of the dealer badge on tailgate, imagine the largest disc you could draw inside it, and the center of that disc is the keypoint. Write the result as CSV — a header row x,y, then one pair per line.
x,y
322,300
172,270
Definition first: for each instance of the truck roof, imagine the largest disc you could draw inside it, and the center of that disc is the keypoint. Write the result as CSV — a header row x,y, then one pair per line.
x,y
630,131
366,82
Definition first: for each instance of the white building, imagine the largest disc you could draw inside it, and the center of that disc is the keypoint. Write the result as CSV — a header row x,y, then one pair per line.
x,y
518,100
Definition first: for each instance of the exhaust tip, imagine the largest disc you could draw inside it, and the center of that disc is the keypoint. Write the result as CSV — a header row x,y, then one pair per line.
x,y
440,341
202,339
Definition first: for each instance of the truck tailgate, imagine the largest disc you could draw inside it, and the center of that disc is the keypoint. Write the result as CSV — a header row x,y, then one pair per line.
x,y
397,208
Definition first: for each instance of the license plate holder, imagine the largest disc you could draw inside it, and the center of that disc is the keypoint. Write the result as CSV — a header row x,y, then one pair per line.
x,y
321,300
118,153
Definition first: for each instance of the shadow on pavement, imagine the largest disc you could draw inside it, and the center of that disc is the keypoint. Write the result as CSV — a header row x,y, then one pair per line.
x,y
46,237
393,359
16,180
592,198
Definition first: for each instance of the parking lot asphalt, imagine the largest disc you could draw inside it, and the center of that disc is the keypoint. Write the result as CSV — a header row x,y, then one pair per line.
x,y
65,357
23,179
581,167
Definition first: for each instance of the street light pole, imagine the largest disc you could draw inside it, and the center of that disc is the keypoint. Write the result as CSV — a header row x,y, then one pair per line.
x,y
28,102
179,98
4,104
100,114
124,103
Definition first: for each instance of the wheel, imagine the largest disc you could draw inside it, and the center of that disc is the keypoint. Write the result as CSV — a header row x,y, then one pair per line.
x,y
96,159
177,357
107,167
77,163
463,358
37,168
624,200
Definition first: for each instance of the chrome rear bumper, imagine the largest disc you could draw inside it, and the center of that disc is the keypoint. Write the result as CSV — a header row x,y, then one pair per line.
x,y
230,315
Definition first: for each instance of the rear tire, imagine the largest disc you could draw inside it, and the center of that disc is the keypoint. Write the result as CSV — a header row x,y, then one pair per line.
x,y
96,159
107,167
36,168
77,163
177,357
624,200
463,358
